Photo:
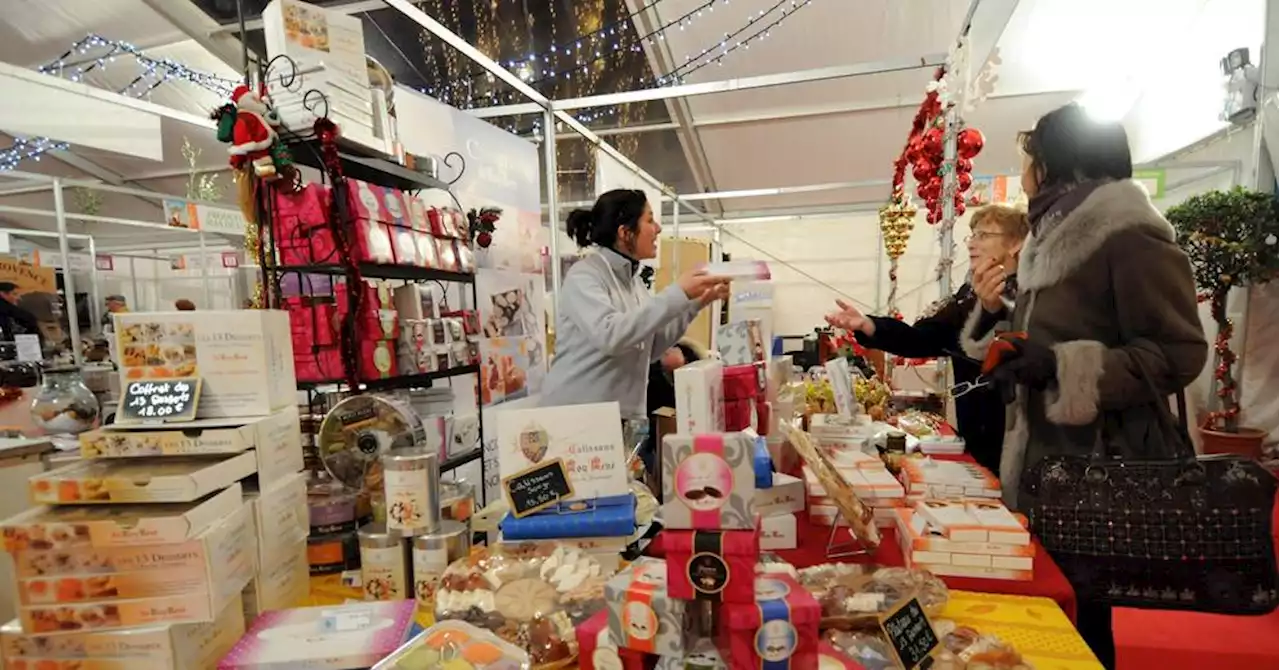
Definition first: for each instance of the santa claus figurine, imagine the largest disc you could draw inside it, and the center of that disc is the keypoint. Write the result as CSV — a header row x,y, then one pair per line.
x,y
254,133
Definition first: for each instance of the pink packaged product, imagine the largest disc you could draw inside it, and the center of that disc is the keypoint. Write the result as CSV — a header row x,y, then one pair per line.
x,y
301,231
428,254
323,638
779,631
448,255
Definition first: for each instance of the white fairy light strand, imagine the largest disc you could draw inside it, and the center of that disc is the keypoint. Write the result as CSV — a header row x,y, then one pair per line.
x,y
155,71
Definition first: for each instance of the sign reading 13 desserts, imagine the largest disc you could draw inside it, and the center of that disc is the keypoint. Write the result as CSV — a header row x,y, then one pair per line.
x,y
159,401
586,438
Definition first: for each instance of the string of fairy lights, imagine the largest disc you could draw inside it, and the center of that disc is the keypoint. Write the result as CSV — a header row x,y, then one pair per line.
x,y
95,52
609,40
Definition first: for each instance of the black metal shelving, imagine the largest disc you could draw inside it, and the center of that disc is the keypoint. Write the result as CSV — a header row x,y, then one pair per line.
x,y
369,167
400,381
373,271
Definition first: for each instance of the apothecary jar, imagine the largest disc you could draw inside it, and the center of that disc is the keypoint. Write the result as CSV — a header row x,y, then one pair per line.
x,y
64,405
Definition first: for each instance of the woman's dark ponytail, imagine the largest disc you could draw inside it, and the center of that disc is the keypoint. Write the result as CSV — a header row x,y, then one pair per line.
x,y
599,225
579,226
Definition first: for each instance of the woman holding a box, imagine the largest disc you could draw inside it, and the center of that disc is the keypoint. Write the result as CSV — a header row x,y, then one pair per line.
x,y
996,235
608,327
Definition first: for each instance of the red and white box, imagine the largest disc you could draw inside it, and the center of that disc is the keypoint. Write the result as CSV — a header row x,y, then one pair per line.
x,y
301,230
598,651
779,631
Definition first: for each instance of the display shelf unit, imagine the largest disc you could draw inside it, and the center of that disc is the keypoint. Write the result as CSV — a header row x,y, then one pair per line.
x,y
399,381
354,163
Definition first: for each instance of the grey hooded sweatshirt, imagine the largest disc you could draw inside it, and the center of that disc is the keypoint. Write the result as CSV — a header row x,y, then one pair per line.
x,y
608,330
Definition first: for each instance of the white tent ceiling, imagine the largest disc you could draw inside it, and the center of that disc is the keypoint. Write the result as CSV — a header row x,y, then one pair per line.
x,y
837,130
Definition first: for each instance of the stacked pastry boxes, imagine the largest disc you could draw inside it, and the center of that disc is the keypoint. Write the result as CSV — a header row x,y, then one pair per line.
x,y
327,49
865,473
391,228
957,526
144,549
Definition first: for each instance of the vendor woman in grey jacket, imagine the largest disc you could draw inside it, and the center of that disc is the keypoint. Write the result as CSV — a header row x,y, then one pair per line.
x,y
608,327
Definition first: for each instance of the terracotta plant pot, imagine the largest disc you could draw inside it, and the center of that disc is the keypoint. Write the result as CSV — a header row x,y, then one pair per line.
x,y
1245,442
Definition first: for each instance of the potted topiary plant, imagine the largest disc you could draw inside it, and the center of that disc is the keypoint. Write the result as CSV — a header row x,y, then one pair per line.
x,y
1230,237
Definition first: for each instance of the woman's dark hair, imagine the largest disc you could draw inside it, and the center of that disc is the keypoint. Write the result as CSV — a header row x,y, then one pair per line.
x,y
1067,145
599,225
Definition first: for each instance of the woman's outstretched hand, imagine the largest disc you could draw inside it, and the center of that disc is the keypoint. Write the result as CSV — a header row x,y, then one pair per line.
x,y
850,319
706,288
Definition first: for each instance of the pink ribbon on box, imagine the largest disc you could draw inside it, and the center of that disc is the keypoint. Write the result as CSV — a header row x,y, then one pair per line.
x,y
709,444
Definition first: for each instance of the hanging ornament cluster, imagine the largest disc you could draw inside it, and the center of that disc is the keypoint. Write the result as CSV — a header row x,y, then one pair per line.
x,y
896,221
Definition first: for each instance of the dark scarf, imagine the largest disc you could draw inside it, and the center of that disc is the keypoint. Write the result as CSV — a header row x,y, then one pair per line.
x,y
1052,204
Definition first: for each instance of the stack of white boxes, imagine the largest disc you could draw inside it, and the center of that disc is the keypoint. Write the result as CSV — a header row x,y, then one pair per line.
x,y
328,49
843,440
777,507
141,557
973,538
929,478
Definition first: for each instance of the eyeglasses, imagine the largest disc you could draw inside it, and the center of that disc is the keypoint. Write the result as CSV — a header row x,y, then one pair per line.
x,y
982,235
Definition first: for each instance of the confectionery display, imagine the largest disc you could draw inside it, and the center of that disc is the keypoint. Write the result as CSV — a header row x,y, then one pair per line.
x,y
530,595
855,596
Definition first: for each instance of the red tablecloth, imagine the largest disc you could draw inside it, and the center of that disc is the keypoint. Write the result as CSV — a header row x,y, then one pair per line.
x,y
812,550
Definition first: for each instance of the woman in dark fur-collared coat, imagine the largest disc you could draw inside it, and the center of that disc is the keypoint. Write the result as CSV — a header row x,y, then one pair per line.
x,y
1108,302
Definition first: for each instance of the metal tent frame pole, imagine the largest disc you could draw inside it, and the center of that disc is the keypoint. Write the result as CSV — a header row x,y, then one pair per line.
x,y
68,278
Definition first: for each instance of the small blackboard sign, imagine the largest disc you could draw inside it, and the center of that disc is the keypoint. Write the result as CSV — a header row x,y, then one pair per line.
x,y
537,487
159,400
911,635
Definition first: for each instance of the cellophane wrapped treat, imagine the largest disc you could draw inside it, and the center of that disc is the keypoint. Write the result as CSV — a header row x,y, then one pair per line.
x,y
856,596
530,594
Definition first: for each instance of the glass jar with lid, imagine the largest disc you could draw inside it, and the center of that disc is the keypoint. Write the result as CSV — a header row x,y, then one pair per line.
x,y
63,404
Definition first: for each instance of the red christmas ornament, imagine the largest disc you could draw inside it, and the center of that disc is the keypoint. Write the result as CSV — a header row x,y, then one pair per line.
x,y
933,217
959,210
964,165
932,142
931,189
969,142
963,180
484,239
923,171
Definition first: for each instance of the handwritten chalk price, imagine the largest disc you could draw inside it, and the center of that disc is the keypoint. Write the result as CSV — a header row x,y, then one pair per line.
x,y
159,400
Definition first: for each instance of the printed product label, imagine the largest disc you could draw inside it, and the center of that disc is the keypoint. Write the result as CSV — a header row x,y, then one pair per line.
x,y
382,570
428,565
708,573
776,640
406,498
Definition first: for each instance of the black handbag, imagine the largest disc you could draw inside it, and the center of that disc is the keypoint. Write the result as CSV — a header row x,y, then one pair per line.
x,y
1171,531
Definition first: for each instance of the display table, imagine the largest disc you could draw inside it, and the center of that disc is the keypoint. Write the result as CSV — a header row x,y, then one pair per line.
x,y
1036,627
1049,581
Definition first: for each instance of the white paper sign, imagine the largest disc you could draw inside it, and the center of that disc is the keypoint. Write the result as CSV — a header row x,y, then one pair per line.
x,y
588,438
28,348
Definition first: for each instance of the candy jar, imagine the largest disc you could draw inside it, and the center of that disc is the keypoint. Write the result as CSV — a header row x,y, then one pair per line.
x,y
64,405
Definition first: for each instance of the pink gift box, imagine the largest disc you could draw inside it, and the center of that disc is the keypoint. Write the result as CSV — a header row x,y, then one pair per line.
x,y
778,631
716,565
301,230
321,365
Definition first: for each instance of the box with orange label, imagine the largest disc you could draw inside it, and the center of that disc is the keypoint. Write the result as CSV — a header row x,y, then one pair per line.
x,y
87,574
191,607
194,646
178,479
63,528
642,616
276,440
244,358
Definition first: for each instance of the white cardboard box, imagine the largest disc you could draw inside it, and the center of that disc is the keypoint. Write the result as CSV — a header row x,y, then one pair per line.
x,y
778,532
281,515
243,357
284,585
276,440
700,398
192,646
784,497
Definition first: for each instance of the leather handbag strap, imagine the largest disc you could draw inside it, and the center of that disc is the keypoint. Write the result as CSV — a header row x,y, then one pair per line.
x,y
1183,450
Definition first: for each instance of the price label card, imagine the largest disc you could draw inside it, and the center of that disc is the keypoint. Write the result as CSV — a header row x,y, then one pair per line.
x,y
911,635
28,348
159,400
539,487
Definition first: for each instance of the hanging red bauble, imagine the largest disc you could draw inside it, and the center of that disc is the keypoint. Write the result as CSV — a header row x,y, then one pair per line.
x,y
969,142
964,165
963,180
931,189
915,148
923,171
484,239
933,217
932,142
959,210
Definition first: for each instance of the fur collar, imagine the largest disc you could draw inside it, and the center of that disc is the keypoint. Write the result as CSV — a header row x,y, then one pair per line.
x,y
1111,209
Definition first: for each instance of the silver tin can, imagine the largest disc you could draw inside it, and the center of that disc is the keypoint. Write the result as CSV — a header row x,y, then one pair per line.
x,y
432,553
385,564
411,482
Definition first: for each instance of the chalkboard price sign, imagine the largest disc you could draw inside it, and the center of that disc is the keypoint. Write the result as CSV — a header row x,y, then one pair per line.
x,y
911,635
159,400
536,488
